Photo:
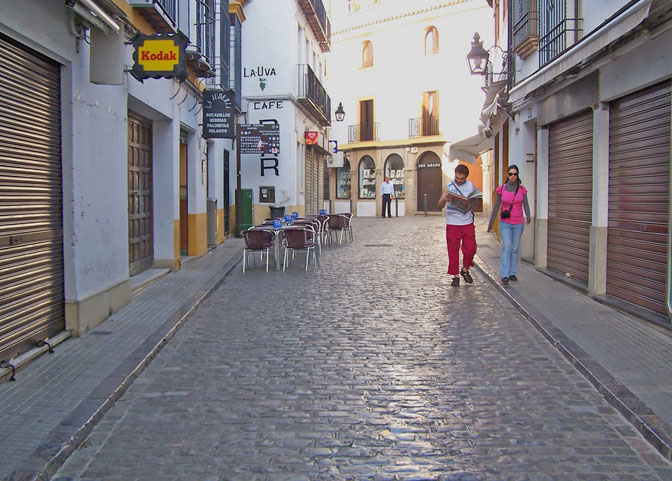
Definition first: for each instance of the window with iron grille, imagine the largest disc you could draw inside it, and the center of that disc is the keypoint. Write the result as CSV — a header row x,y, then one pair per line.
x,y
205,29
224,57
558,28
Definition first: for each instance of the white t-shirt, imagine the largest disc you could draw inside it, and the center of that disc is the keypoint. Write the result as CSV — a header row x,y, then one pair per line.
x,y
454,216
387,188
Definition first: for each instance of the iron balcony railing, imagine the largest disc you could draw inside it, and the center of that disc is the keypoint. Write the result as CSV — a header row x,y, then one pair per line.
x,y
318,20
525,27
313,96
170,8
423,126
556,31
363,132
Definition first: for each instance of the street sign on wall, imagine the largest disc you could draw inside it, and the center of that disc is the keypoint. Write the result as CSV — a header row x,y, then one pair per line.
x,y
218,114
260,139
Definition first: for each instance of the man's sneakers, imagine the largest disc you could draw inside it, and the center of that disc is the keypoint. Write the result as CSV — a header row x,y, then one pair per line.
x,y
456,281
505,281
513,278
467,277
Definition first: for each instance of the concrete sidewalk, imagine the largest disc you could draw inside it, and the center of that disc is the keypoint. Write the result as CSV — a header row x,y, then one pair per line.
x,y
627,359
58,398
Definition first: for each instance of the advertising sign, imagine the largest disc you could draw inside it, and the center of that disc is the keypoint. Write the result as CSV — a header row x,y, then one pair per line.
x,y
218,114
159,56
311,137
260,139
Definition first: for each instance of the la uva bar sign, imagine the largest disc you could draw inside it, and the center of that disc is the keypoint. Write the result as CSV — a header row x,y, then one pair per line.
x,y
159,56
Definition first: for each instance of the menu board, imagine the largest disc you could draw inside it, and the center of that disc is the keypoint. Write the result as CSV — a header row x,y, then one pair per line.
x,y
260,139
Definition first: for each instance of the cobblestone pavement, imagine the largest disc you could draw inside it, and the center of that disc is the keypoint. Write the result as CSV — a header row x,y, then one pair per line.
x,y
369,368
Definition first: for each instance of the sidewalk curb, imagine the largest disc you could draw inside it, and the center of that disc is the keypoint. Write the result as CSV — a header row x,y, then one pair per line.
x,y
617,395
177,319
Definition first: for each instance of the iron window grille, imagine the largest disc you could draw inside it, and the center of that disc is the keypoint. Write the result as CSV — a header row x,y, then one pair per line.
x,y
557,31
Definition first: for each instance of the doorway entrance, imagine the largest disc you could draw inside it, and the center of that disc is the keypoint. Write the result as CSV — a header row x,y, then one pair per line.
x,y
429,182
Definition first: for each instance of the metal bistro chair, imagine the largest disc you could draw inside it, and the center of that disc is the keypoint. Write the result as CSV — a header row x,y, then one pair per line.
x,y
324,228
340,223
257,240
299,238
317,227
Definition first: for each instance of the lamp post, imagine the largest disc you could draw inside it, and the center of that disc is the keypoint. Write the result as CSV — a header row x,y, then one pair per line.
x,y
478,57
340,113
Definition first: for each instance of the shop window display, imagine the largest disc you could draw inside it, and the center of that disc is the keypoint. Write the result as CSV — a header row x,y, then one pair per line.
x,y
367,178
394,169
343,181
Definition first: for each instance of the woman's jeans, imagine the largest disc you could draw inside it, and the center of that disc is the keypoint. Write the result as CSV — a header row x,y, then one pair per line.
x,y
508,262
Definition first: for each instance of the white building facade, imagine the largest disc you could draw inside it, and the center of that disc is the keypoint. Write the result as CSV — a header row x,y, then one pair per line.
x,y
399,70
588,119
103,177
283,83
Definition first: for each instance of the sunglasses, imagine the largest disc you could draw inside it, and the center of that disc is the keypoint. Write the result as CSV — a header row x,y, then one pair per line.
x,y
515,174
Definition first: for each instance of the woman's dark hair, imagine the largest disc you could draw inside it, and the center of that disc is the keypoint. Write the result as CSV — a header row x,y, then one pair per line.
x,y
514,166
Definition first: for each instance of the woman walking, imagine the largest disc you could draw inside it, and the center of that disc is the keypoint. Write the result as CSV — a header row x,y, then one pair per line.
x,y
512,198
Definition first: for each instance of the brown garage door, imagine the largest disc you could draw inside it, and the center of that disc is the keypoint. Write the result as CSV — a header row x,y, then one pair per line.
x,y
31,205
639,190
570,187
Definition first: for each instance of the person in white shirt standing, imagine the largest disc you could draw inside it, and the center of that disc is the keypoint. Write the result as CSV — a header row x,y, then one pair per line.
x,y
387,189
459,228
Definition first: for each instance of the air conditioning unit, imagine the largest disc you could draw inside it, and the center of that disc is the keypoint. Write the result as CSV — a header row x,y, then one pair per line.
x,y
336,160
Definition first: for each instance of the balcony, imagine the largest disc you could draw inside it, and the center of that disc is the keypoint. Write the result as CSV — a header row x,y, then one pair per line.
x,y
422,127
313,97
161,14
363,132
200,56
525,35
318,20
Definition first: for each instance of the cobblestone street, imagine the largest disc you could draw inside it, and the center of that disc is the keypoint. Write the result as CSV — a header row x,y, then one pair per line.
x,y
370,367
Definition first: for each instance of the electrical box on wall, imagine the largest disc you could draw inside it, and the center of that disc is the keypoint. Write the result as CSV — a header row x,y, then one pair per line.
x,y
267,193
336,160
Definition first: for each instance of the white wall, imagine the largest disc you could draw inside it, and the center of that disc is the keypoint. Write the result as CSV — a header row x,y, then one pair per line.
x,y
402,72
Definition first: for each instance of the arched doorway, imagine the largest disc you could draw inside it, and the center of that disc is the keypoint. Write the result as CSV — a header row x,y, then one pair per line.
x,y
429,182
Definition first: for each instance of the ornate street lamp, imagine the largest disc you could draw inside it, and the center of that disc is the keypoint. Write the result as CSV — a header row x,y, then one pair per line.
x,y
478,57
340,113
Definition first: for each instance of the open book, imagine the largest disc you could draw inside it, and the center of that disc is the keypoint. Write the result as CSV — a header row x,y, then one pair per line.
x,y
464,204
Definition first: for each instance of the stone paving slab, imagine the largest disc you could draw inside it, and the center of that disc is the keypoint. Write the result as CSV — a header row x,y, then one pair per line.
x,y
57,398
627,359
369,368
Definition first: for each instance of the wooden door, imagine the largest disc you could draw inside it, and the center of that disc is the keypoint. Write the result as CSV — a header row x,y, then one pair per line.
x,y
140,196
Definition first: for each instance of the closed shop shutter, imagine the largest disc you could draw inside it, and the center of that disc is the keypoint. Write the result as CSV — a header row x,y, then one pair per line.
x,y
140,194
31,206
639,190
570,189
312,178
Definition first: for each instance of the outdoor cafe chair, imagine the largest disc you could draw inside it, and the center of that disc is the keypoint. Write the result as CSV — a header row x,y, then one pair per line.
x,y
340,223
324,227
257,240
299,238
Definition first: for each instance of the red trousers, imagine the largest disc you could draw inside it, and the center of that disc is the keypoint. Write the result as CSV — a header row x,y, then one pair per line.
x,y
466,234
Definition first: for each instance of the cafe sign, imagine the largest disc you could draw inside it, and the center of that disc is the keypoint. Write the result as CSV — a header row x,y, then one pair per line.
x,y
218,114
159,56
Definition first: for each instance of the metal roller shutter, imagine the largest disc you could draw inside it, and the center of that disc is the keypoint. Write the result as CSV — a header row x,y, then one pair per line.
x,y
312,179
639,192
31,224
570,194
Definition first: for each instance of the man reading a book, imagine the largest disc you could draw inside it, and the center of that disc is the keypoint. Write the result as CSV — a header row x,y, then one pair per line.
x,y
460,231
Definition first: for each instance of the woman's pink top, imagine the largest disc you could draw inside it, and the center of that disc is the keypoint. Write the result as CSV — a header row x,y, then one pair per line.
x,y
507,199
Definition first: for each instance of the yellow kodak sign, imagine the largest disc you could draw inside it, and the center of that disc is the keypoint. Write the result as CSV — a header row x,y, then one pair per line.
x,y
158,55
